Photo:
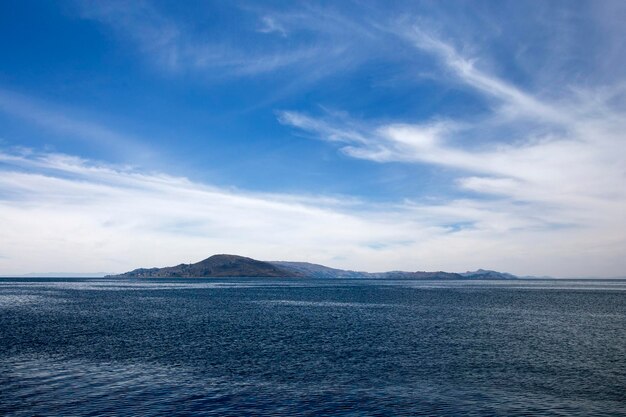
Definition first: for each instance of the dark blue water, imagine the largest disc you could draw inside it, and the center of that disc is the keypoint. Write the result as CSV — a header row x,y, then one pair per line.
x,y
312,347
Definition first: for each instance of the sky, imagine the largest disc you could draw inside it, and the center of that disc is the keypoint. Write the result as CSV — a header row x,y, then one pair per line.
x,y
374,136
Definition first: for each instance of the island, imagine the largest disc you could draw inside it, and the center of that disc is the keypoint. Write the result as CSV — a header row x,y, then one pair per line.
x,y
223,265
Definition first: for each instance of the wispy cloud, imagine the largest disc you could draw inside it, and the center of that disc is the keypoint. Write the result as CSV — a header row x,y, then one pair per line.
x,y
270,25
173,47
514,99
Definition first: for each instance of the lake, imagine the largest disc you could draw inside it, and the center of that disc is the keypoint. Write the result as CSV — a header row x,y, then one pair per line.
x,y
258,346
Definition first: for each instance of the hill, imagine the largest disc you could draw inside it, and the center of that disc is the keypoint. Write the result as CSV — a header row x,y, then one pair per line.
x,y
214,266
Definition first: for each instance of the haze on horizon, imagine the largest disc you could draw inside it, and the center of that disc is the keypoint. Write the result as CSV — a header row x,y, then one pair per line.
x,y
359,135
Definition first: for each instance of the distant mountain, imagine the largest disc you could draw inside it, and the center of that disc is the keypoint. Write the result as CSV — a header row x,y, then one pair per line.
x,y
317,271
240,266
419,275
487,274
321,271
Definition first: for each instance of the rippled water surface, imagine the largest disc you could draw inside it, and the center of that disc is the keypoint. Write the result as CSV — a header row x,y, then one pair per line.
x,y
312,347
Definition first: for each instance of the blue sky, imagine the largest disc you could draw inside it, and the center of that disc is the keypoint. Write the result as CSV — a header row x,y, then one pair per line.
x,y
363,135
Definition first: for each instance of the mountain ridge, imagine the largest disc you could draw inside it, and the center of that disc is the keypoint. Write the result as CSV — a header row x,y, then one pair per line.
x,y
224,265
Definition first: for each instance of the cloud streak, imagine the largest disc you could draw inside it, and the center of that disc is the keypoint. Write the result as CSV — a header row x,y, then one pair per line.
x,y
465,70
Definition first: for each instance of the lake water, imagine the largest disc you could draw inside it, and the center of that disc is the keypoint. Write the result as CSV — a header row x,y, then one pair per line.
x,y
205,347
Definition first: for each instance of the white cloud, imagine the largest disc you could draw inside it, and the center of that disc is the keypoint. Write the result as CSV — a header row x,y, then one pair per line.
x,y
59,212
